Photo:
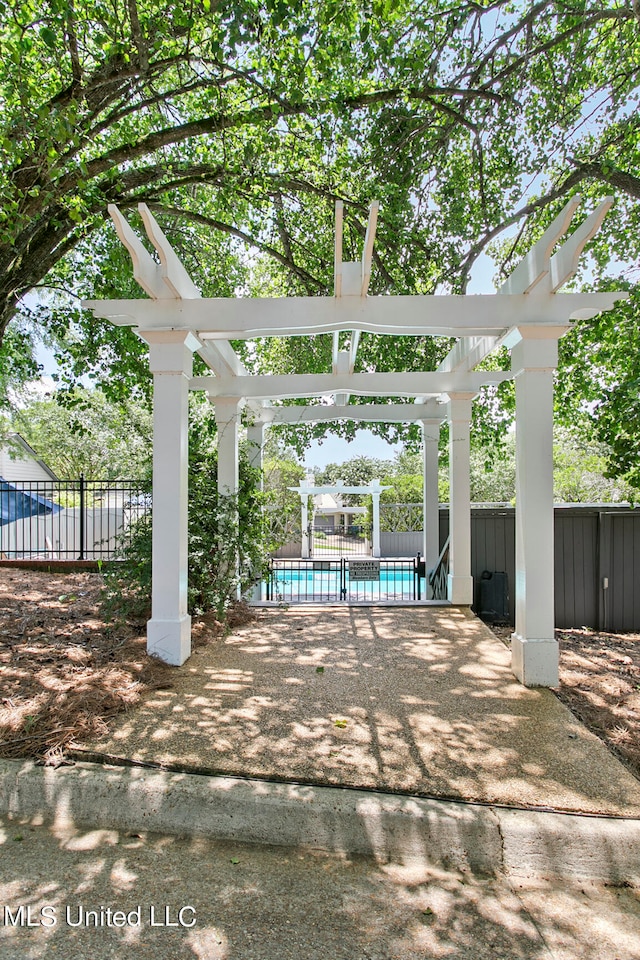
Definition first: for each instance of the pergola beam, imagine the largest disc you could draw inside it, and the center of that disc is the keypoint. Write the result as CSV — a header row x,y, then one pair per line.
x,y
337,259
466,353
443,316
307,385
564,263
535,265
359,412
351,272
172,270
146,272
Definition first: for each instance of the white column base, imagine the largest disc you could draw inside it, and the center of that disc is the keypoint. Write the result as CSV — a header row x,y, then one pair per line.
x,y
535,662
460,590
170,640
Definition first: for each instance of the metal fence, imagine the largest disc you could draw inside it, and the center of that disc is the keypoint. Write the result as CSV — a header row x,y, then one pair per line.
x,y
68,519
344,580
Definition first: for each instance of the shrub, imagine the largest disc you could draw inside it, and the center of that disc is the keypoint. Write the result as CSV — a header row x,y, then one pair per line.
x,y
227,549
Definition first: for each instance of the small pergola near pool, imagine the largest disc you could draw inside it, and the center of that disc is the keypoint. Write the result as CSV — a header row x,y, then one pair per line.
x,y
527,315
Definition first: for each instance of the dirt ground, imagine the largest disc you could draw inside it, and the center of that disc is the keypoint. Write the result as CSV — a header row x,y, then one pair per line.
x,y
65,672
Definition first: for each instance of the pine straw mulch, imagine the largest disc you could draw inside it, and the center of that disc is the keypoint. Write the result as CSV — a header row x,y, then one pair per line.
x,y
65,672
600,684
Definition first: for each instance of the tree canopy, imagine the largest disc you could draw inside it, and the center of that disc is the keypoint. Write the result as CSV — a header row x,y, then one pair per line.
x,y
241,123
89,435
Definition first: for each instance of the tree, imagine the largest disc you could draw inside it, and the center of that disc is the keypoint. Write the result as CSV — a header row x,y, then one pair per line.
x,y
355,472
599,387
580,471
89,435
241,123
281,472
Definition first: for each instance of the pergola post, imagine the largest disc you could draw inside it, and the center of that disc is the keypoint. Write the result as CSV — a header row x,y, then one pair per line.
x,y
170,361
430,499
534,649
255,446
376,490
460,581
304,506
227,413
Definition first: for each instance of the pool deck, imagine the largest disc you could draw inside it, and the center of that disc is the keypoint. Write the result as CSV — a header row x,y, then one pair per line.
x,y
418,700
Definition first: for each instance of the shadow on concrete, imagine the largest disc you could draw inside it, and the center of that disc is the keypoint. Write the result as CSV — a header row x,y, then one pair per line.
x,y
267,903
416,700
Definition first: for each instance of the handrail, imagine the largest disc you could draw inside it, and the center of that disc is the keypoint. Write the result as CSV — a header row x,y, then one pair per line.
x,y
438,577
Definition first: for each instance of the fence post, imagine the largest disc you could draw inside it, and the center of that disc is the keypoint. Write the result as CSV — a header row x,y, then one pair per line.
x,y
82,524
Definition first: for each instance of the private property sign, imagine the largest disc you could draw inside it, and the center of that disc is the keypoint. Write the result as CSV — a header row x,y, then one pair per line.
x,y
364,570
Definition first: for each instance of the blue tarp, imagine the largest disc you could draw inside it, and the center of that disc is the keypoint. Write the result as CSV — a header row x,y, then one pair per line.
x,y
16,504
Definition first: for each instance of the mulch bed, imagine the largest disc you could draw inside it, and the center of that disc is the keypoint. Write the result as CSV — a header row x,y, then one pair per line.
x,y
600,684
66,671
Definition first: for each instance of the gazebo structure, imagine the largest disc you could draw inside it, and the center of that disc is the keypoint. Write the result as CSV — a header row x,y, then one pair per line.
x,y
527,315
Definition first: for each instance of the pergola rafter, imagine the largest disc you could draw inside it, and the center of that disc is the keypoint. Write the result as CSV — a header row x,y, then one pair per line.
x,y
527,315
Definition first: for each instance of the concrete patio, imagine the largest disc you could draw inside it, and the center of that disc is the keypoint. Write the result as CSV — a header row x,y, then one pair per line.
x,y
413,700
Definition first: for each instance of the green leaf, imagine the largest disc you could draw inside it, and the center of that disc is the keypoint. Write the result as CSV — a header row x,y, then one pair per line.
x,y
48,36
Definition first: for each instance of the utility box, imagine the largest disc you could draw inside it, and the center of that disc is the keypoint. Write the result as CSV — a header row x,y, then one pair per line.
x,y
492,604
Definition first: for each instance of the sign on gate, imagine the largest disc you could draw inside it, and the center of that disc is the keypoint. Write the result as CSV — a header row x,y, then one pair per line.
x,y
364,570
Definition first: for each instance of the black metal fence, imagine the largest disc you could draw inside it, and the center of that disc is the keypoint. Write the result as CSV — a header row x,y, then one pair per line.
x,y
68,519
344,580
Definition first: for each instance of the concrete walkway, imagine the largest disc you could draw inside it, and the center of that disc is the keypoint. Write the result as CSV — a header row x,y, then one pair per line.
x,y
418,700
265,903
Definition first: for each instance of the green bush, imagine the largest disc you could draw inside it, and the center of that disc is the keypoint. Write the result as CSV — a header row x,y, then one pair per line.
x,y
227,548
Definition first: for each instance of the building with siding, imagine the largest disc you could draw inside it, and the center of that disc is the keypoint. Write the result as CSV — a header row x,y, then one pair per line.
x,y
19,461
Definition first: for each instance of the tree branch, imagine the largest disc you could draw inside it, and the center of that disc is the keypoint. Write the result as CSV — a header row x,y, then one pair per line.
x,y
214,224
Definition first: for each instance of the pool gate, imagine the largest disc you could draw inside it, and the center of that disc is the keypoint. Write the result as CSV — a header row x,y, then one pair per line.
x,y
345,579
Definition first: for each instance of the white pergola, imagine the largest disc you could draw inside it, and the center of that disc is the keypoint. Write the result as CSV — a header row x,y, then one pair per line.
x,y
527,314
310,489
